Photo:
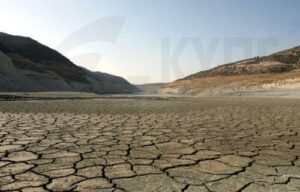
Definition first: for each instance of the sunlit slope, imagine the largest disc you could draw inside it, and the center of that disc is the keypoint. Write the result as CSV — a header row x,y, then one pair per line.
x,y
277,73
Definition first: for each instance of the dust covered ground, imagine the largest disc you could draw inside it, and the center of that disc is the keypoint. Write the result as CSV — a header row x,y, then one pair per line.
x,y
150,144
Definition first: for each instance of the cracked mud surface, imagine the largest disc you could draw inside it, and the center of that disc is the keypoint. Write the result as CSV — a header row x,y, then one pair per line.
x,y
191,145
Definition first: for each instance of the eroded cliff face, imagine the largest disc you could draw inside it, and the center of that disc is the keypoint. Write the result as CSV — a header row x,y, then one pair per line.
x,y
278,73
29,66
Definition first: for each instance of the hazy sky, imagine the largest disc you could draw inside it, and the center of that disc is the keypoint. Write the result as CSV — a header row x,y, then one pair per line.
x,y
199,34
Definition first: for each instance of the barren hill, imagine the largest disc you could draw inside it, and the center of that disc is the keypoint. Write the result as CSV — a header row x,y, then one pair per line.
x,y
278,73
28,66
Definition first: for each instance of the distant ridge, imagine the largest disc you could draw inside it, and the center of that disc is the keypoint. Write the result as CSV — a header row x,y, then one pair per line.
x,y
28,66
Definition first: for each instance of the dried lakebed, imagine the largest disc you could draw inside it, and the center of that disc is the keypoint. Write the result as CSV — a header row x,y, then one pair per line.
x,y
140,144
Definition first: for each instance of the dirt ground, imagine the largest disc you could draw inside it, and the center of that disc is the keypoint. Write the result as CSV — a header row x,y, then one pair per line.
x,y
145,144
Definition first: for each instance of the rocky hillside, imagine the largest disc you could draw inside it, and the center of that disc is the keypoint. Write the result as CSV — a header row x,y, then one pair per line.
x,y
28,66
277,73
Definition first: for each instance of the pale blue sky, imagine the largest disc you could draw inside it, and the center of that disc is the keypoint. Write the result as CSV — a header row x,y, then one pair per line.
x,y
137,53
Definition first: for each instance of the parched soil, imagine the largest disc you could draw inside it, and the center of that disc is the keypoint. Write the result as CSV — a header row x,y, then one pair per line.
x,y
150,144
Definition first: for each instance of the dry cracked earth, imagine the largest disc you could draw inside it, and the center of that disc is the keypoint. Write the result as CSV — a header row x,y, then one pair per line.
x,y
143,145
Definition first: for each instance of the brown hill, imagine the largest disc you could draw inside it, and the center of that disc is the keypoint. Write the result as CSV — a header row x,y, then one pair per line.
x,y
277,73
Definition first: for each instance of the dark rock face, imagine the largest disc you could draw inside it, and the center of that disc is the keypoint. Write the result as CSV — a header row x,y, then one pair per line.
x,y
27,65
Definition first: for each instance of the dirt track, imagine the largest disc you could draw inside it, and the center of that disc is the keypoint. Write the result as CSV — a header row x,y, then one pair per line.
x,y
179,144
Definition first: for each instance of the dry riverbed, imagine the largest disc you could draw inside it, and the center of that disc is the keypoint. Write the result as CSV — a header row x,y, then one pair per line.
x,y
150,144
